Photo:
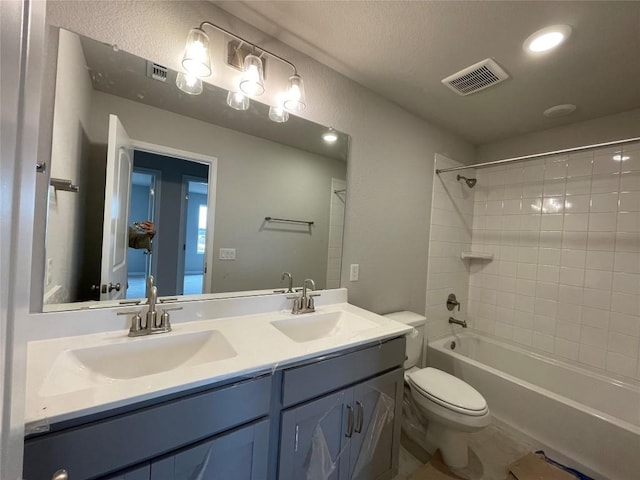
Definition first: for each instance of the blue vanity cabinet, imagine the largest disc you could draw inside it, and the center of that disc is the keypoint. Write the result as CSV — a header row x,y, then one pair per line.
x,y
378,412
263,428
141,472
106,448
352,432
313,435
239,455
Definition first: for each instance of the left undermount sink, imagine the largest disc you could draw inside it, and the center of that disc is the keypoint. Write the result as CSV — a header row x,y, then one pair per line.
x,y
314,326
80,368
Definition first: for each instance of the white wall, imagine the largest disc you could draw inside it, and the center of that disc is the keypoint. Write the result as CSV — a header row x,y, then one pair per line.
x,y
21,85
255,178
65,218
11,393
599,130
391,160
565,232
451,221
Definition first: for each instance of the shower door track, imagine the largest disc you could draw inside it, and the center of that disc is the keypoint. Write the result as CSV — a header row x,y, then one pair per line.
x,y
537,155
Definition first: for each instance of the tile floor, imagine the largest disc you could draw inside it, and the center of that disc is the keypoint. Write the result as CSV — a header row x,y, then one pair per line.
x,y
492,450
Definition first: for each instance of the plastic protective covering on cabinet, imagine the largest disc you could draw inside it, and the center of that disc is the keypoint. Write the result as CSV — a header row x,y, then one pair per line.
x,y
322,465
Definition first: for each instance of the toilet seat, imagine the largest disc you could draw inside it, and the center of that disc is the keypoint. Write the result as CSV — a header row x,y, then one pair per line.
x,y
448,391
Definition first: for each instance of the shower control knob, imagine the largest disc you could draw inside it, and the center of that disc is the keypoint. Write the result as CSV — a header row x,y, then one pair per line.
x,y
452,302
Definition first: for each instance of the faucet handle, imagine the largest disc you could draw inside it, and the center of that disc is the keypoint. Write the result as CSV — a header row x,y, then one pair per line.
x,y
295,305
170,309
165,322
136,321
311,307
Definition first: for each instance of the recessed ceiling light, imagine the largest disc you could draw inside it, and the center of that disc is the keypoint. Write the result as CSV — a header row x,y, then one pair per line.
x,y
547,38
559,110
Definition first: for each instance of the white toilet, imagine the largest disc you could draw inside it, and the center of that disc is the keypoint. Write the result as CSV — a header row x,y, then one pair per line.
x,y
452,407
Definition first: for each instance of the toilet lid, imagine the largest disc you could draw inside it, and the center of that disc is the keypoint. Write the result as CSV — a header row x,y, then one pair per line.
x,y
448,391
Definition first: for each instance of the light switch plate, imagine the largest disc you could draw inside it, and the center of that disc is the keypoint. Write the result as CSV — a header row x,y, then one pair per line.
x,y
227,254
354,272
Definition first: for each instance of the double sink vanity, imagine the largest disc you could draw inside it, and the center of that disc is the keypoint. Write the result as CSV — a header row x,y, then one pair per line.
x,y
257,396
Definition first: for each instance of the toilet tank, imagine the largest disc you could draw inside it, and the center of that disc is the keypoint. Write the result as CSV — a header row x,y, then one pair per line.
x,y
414,339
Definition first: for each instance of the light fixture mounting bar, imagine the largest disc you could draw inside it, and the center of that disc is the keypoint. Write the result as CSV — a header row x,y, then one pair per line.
x,y
253,45
238,50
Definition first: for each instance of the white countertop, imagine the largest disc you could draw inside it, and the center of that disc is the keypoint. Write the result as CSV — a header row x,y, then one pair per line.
x,y
260,348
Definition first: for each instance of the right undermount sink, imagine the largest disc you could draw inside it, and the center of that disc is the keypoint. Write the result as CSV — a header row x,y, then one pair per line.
x,y
313,326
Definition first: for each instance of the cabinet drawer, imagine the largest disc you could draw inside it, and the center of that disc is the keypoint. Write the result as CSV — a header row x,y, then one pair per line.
x,y
309,381
96,449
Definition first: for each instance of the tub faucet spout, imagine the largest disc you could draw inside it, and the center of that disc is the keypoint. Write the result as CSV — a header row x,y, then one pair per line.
x,y
462,323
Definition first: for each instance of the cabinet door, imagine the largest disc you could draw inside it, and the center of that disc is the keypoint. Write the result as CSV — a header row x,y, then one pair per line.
x,y
239,455
376,438
313,444
141,472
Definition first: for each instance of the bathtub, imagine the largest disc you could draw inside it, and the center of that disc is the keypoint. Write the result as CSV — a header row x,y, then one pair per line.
x,y
580,418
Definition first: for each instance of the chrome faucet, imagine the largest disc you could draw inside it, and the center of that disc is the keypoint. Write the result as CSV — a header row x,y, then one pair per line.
x,y
287,274
462,323
152,299
304,303
151,326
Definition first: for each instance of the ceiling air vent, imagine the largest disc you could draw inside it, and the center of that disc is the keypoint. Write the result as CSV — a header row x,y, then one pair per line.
x,y
476,77
157,72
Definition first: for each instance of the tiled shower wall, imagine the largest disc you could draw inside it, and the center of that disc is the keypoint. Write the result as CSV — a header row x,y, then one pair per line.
x,y
451,222
565,279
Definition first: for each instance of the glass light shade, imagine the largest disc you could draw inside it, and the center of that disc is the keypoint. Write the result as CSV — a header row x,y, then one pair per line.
x,y
278,114
196,59
252,81
189,83
295,100
238,101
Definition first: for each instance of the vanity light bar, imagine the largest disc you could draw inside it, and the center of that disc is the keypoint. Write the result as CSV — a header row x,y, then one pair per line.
x,y
253,45
197,62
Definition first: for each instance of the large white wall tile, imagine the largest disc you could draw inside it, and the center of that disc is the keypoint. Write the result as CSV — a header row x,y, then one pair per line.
x,y
566,274
454,215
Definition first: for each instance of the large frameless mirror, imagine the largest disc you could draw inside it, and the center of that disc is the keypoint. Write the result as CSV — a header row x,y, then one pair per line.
x,y
147,179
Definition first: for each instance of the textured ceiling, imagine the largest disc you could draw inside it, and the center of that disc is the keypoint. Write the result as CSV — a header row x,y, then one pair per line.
x,y
402,50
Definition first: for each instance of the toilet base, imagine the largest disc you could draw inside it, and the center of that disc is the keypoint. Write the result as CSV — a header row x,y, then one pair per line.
x,y
453,445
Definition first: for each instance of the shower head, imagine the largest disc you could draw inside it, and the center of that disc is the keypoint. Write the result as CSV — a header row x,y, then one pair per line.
x,y
471,182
